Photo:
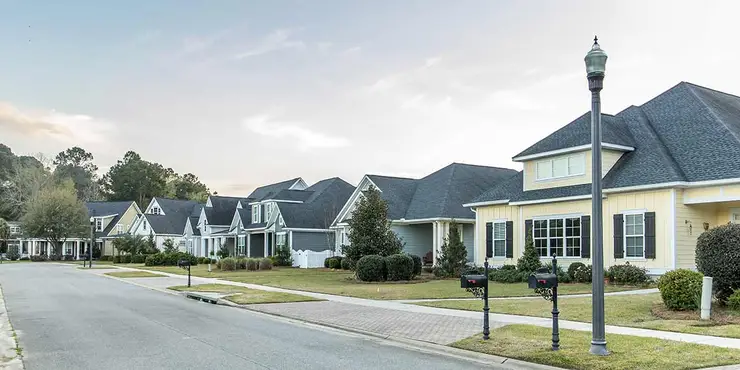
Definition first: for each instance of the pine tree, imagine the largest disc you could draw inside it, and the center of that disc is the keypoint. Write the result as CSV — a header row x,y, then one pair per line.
x,y
369,229
530,261
452,256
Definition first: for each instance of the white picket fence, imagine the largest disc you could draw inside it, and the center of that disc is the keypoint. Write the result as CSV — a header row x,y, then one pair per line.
x,y
310,259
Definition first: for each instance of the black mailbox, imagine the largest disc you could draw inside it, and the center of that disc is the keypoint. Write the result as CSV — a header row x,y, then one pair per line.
x,y
183,263
543,280
473,281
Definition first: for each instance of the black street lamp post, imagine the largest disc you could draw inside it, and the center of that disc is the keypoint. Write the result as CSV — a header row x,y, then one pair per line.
x,y
595,68
92,241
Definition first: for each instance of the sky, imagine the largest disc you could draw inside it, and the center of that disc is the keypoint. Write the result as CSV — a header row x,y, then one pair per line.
x,y
246,93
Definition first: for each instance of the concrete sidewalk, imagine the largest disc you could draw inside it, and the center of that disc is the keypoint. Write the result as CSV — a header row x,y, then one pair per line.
x,y
392,309
625,292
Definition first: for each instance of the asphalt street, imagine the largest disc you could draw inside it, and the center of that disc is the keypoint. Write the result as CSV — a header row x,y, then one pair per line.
x,y
66,318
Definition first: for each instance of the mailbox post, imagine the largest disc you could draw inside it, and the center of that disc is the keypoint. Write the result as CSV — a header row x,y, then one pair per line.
x,y
185,264
478,285
546,284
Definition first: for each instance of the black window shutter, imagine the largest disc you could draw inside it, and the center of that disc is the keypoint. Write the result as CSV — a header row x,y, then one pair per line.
x,y
489,239
527,231
509,239
650,235
586,236
618,236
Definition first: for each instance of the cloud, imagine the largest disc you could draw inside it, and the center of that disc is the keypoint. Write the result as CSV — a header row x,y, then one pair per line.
x,y
304,137
324,45
58,125
277,40
351,51
197,44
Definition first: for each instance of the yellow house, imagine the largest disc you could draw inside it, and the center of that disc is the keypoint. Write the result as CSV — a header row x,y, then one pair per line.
x,y
112,220
670,169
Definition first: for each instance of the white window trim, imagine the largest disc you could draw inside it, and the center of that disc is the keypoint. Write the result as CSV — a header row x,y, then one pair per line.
x,y
284,236
119,229
624,234
565,237
98,224
733,212
256,210
494,239
552,161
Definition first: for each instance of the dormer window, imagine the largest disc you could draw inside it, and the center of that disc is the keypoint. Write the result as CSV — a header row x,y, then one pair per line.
x,y
156,211
98,224
268,211
553,168
256,213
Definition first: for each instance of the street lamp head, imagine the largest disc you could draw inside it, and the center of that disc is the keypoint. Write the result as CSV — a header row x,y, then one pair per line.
x,y
595,60
92,220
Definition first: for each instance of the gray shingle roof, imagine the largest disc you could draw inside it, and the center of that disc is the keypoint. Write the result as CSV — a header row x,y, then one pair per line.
x,y
263,192
397,193
99,209
222,211
296,195
176,214
688,133
323,202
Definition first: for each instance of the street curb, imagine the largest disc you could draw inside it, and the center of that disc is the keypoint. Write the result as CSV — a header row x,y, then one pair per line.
x,y
15,361
422,346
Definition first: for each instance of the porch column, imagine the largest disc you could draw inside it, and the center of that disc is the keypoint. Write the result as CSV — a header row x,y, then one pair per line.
x,y
77,250
249,238
265,240
32,248
435,242
48,249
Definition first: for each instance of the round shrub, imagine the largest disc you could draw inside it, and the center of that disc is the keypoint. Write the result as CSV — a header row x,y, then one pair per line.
x,y
333,263
152,259
126,259
573,268
399,267
227,264
346,265
718,256
681,289
507,275
252,264
627,275
116,259
13,254
734,301
326,262
265,264
371,268
138,258
583,274
417,264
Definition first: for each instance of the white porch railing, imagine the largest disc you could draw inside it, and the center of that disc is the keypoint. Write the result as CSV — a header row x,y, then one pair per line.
x,y
310,259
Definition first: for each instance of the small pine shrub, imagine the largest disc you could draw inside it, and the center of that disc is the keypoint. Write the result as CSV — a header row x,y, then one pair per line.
x,y
734,300
530,261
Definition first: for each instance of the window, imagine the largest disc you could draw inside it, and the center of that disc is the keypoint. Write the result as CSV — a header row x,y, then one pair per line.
x,y
144,225
572,165
499,239
156,210
268,211
281,239
557,237
119,229
281,221
255,213
98,224
15,229
240,249
634,235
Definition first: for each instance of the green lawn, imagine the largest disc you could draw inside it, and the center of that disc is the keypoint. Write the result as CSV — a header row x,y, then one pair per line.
x,y
133,274
97,268
343,283
531,343
241,295
634,310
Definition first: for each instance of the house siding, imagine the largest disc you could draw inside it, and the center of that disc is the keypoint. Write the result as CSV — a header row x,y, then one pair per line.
x,y
312,241
127,220
689,225
418,238
469,240
609,158
658,201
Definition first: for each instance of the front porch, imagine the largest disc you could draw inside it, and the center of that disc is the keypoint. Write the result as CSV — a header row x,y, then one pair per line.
x,y
693,217
75,249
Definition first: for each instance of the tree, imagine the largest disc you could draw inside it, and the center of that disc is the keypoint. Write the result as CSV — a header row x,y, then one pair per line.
x,y
529,262
131,244
187,187
22,179
369,229
77,164
134,178
56,215
4,235
169,246
452,256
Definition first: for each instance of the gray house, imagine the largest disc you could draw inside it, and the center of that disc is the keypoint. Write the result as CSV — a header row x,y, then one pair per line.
x,y
421,210
166,219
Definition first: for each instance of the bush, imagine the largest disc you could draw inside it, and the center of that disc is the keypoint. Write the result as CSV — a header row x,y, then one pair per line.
x,y
241,263
333,263
573,268
563,276
627,275
126,259
138,258
718,256
265,264
371,268
13,253
452,256
227,264
39,258
283,256
417,264
734,300
205,260
55,257
169,259
681,289
582,274
223,252
106,258
252,264
116,259
370,230
25,258
399,267
346,264
530,261
507,275
428,269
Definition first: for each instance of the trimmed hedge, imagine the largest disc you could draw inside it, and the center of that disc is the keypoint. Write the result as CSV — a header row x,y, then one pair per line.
x,y
169,259
718,256
13,254
563,277
346,264
507,275
681,289
417,264
138,258
106,258
371,268
227,264
573,267
39,258
252,264
399,267
333,262
265,264
627,275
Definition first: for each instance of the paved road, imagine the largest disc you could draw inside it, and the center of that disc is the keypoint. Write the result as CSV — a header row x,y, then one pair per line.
x,y
70,319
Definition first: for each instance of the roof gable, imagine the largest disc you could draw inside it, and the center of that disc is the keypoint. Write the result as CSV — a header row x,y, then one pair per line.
x,y
266,191
321,208
397,193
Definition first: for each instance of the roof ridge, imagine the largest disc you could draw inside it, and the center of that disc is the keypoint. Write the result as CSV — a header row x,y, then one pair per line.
x,y
393,177
447,190
483,166
663,147
711,111
708,88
